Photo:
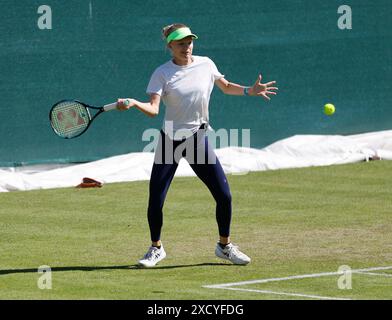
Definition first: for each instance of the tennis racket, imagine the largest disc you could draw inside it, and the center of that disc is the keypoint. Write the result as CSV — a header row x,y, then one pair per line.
x,y
71,118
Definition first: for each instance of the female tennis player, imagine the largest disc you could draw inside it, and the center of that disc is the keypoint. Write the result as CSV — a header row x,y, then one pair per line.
x,y
185,84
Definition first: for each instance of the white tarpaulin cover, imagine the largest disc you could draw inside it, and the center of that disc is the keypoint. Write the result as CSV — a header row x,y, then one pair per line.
x,y
294,152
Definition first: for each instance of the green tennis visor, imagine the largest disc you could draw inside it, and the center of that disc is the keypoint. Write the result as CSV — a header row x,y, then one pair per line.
x,y
179,34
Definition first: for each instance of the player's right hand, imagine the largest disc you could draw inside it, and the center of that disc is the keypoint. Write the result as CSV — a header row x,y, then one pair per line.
x,y
125,104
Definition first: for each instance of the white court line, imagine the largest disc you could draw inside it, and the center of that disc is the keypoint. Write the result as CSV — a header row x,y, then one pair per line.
x,y
374,273
284,293
228,286
303,276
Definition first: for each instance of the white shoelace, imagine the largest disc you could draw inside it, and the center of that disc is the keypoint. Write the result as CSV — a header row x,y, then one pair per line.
x,y
152,254
232,250
235,250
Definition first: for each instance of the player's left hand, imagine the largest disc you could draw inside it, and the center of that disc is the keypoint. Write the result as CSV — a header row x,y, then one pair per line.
x,y
263,89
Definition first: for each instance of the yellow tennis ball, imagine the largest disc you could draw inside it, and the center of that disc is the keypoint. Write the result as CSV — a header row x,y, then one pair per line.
x,y
329,109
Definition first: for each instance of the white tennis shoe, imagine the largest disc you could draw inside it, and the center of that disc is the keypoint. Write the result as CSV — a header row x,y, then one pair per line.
x,y
152,257
232,253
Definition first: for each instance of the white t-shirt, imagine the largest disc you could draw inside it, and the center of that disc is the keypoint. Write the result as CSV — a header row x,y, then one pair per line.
x,y
185,91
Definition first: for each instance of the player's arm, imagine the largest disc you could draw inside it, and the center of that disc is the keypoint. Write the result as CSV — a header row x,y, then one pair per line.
x,y
150,108
258,89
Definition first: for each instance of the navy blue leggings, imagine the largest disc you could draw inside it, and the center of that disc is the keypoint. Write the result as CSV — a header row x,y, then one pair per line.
x,y
202,159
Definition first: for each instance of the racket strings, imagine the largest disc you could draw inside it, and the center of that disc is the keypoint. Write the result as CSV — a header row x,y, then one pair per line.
x,y
69,119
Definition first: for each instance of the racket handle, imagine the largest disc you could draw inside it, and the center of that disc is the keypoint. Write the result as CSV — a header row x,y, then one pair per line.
x,y
113,106
110,106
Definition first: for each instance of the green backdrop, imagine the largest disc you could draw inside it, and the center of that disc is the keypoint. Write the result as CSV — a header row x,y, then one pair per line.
x,y
100,50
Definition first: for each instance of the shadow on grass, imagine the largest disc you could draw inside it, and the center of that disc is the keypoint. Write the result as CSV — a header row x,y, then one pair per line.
x,y
97,268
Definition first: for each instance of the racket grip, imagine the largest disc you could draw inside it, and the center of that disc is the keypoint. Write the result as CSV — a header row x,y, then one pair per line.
x,y
111,106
